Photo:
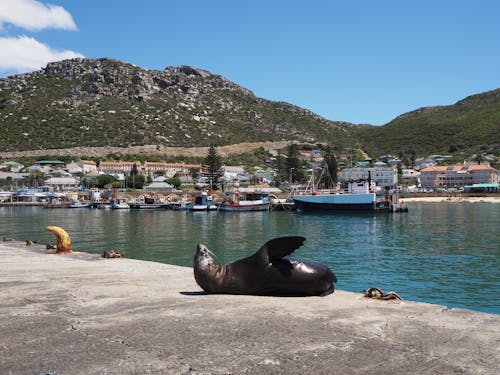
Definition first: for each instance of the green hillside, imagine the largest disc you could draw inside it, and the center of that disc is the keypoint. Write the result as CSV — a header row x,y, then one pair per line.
x,y
104,102
466,127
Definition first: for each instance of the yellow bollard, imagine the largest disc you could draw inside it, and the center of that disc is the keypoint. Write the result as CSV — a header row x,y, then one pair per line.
x,y
63,240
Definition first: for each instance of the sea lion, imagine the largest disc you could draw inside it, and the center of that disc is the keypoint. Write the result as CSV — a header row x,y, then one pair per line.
x,y
267,272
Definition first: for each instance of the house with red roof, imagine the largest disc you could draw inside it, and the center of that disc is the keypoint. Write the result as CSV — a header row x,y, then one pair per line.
x,y
458,175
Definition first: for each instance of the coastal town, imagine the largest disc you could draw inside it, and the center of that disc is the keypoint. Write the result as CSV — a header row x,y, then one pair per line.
x,y
176,185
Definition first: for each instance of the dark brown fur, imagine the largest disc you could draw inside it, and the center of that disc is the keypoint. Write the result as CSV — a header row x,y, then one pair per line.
x,y
267,272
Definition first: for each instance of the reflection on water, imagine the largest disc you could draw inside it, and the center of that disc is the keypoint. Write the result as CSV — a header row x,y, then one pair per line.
x,y
438,252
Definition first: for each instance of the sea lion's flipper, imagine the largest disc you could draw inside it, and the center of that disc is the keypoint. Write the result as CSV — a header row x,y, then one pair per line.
x,y
280,247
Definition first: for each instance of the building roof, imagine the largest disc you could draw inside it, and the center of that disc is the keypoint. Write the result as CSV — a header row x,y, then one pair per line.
x,y
62,181
45,162
458,168
119,163
496,185
158,185
162,163
91,162
12,175
233,168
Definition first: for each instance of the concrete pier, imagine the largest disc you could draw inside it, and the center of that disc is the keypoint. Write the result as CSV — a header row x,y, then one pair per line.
x,y
80,314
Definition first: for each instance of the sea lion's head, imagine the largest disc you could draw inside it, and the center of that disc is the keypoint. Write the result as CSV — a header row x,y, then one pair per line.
x,y
206,272
203,257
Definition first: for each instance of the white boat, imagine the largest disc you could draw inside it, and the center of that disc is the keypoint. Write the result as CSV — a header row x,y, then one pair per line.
x,y
182,205
203,202
148,202
360,196
119,204
78,204
246,200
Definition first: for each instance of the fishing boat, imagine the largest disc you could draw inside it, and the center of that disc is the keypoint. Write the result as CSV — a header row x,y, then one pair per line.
x,y
119,204
203,202
246,200
79,204
360,196
148,202
357,198
180,205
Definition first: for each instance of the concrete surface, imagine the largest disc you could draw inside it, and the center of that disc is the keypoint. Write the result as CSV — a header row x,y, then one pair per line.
x,y
80,314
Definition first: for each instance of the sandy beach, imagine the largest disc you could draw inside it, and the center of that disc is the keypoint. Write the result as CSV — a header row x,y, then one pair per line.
x,y
452,199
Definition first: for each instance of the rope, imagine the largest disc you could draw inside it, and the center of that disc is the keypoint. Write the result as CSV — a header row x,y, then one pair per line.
x,y
377,293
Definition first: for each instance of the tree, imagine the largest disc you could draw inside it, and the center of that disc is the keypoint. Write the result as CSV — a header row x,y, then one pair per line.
x,y
293,164
331,163
36,179
174,181
135,181
134,171
194,172
104,180
213,163
400,173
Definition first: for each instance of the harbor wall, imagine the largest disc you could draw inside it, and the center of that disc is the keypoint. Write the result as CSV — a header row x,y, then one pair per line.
x,y
82,314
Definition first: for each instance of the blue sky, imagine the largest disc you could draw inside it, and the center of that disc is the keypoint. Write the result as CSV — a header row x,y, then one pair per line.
x,y
356,61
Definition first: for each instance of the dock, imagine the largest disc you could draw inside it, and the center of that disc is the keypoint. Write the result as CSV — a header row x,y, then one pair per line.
x,y
82,314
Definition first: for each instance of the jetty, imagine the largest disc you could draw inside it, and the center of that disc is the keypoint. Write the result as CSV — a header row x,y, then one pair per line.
x,y
82,314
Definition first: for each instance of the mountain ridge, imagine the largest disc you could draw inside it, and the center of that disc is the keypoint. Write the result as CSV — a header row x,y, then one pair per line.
x,y
104,102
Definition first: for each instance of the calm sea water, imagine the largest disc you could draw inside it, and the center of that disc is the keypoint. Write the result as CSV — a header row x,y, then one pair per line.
x,y
444,253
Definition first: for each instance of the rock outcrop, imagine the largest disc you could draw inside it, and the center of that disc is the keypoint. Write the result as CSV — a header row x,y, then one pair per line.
x,y
105,102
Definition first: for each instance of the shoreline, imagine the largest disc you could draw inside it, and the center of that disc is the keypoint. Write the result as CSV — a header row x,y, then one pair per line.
x,y
451,199
80,313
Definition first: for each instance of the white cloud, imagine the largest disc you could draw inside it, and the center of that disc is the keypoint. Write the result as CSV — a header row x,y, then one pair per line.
x,y
33,15
24,54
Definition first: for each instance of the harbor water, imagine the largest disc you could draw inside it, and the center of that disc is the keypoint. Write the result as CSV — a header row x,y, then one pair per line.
x,y
442,253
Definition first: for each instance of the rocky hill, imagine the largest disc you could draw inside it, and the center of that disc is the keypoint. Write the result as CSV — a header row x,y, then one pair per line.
x,y
104,102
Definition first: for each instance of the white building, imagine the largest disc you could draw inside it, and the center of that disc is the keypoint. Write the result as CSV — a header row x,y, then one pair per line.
x,y
159,187
410,176
232,173
87,166
13,176
62,183
74,168
11,166
381,176
168,169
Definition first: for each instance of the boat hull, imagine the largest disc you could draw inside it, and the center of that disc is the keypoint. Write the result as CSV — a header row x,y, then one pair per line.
x,y
203,207
77,205
242,208
339,202
148,206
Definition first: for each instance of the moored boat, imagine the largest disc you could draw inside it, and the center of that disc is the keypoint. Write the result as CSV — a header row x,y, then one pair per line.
x,y
180,205
148,202
119,204
359,197
246,200
203,202
79,204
